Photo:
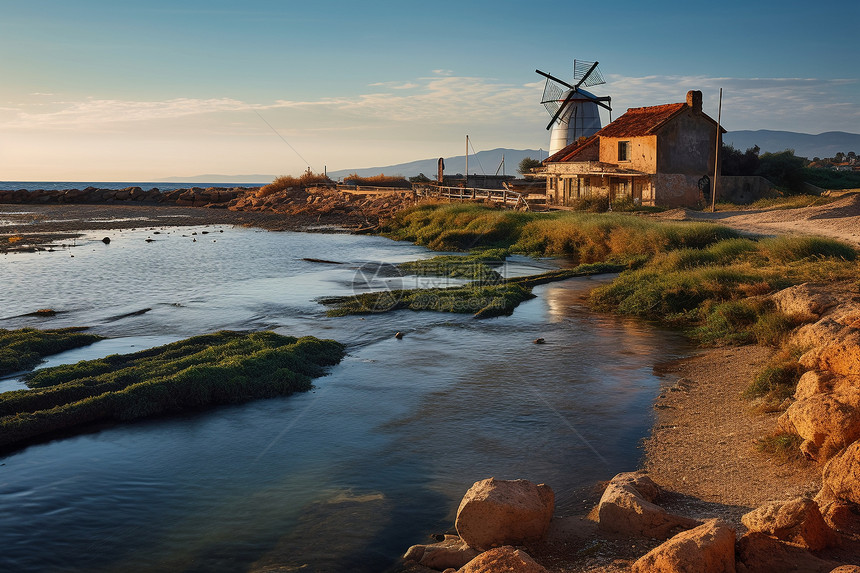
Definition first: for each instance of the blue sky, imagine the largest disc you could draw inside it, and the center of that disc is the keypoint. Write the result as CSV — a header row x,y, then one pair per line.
x,y
120,90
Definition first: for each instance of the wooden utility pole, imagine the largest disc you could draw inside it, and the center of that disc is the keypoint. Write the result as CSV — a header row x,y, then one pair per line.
x,y
717,155
467,161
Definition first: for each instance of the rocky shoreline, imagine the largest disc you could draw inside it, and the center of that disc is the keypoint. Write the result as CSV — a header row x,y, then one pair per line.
x,y
40,219
706,499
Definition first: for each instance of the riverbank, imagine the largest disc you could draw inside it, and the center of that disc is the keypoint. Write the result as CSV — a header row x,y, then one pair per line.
x,y
705,398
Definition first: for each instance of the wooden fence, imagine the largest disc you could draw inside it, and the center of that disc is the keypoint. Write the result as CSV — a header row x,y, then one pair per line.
x,y
506,197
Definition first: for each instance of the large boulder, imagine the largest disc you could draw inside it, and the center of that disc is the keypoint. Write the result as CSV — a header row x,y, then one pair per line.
x,y
826,422
627,508
709,547
841,475
804,300
760,553
453,552
506,558
798,521
811,383
841,356
503,512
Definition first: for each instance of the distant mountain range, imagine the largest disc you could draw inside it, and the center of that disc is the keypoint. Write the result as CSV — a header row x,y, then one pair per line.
x,y
483,162
215,178
825,144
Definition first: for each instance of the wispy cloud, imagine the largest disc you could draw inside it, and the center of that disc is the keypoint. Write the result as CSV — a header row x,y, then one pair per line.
x,y
439,100
798,104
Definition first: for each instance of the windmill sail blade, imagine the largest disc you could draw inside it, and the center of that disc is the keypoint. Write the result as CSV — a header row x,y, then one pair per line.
x,y
553,78
586,74
552,95
561,108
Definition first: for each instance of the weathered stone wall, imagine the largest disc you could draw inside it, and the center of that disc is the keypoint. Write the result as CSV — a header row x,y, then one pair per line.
x,y
687,145
677,190
742,189
641,152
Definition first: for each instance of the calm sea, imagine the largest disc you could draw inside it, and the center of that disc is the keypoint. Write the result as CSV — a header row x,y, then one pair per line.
x,y
162,186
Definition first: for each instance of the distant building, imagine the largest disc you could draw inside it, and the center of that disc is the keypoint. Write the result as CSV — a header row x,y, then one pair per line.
x,y
660,155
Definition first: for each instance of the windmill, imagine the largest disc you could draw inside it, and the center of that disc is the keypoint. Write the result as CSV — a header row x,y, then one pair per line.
x,y
574,111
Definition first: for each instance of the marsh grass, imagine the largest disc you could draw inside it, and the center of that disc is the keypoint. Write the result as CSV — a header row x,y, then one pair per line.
x,y
776,203
24,348
472,266
221,368
481,300
585,237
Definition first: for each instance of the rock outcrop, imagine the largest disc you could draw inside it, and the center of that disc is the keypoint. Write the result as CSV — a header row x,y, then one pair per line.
x,y
627,507
798,521
505,558
503,512
709,547
826,408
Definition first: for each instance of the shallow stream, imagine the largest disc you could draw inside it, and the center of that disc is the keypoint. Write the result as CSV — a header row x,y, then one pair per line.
x,y
345,477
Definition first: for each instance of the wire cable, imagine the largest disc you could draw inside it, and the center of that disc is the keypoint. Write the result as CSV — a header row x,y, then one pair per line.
x,y
284,140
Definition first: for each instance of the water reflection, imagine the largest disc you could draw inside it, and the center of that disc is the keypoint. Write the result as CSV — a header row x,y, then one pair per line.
x,y
341,478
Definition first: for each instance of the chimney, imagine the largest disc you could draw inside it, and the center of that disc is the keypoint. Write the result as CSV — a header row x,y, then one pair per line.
x,y
694,100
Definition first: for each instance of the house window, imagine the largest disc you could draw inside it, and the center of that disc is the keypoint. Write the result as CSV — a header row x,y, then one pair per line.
x,y
623,151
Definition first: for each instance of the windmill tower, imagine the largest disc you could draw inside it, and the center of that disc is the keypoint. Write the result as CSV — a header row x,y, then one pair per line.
x,y
574,111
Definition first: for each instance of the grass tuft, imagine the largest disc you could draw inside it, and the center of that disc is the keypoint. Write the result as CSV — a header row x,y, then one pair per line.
x,y
783,447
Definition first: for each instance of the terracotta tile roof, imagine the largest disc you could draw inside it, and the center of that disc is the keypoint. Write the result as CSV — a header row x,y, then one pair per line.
x,y
587,150
640,121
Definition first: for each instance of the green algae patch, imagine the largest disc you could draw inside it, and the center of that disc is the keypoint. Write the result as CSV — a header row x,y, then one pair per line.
x,y
479,299
473,266
24,348
220,368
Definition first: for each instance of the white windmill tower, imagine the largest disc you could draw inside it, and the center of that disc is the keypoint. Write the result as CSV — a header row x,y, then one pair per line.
x,y
574,111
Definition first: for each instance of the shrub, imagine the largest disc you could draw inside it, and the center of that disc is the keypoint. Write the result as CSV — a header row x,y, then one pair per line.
x,y
380,180
286,182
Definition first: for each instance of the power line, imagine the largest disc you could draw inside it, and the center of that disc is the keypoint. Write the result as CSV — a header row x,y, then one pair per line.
x,y
284,140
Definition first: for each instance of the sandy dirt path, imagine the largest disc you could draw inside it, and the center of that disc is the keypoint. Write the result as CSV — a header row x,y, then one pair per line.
x,y
838,220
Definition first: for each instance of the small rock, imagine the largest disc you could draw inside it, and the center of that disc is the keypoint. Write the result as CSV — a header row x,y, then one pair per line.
x,y
450,552
106,240
504,558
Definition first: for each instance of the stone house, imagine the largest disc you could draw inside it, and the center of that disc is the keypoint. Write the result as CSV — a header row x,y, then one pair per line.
x,y
659,155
